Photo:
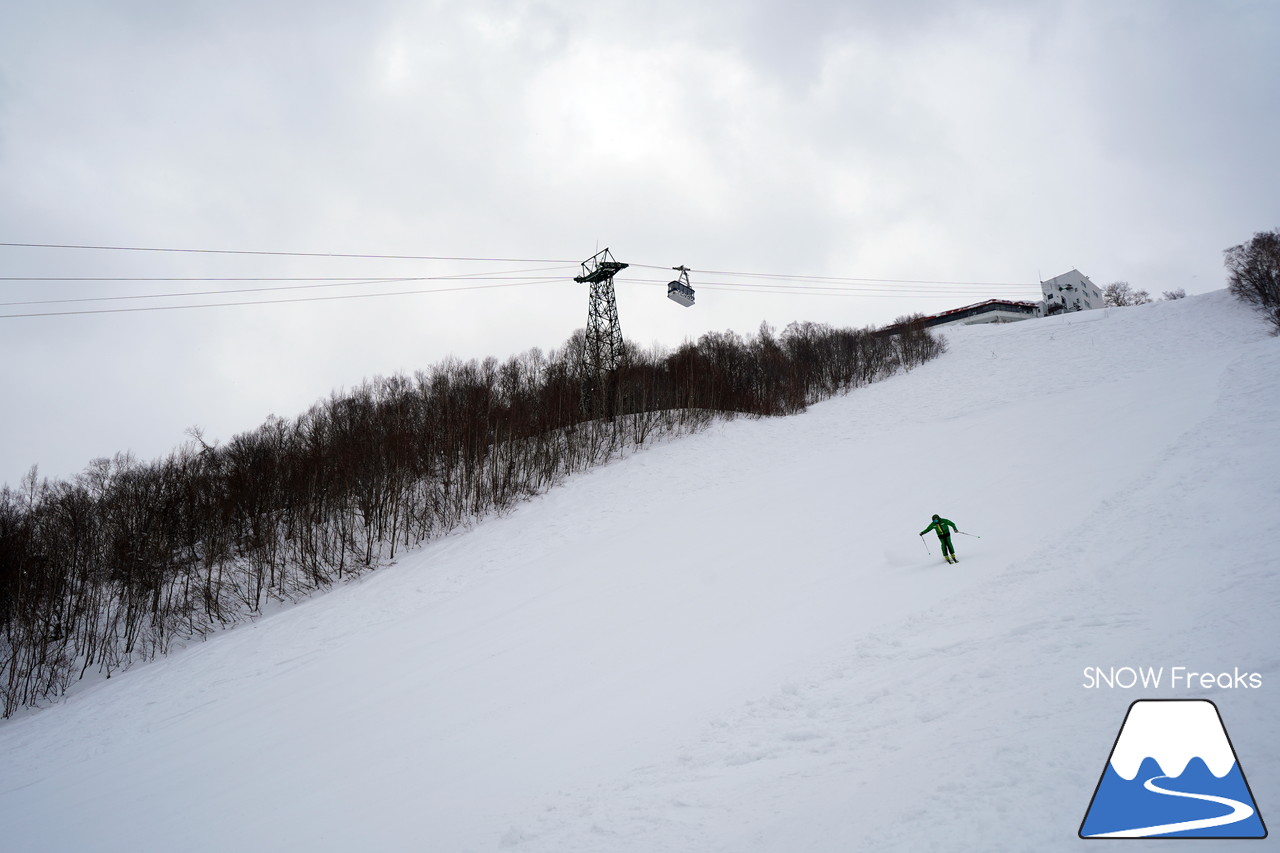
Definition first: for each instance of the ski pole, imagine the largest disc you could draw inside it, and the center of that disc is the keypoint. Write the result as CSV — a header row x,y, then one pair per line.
x,y
974,535
926,545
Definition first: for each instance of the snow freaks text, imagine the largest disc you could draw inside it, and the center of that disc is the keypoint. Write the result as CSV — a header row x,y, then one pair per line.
x,y
1174,677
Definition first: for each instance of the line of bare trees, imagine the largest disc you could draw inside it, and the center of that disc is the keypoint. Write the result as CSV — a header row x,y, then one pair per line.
x,y
130,557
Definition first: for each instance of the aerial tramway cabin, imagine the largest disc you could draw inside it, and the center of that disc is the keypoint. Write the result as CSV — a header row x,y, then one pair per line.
x,y
680,291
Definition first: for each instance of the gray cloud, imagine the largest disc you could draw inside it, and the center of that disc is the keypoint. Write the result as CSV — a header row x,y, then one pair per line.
x,y
990,141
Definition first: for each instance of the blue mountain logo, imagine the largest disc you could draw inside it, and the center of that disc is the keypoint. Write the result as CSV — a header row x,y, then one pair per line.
x,y
1173,773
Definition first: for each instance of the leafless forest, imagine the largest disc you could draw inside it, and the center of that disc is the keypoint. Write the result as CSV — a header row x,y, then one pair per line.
x,y
131,557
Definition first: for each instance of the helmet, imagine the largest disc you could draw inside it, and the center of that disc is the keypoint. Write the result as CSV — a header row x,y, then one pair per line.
x,y
935,516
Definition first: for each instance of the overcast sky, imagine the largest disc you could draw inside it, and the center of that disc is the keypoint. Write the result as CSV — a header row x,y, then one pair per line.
x,y
995,142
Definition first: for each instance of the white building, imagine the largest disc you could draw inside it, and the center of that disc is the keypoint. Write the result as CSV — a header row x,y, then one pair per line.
x,y
1071,291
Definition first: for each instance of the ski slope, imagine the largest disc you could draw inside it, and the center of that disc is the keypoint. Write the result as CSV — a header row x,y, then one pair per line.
x,y
736,641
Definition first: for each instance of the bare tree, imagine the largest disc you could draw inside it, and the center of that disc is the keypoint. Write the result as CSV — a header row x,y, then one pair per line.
x,y
1119,294
1175,294
1253,273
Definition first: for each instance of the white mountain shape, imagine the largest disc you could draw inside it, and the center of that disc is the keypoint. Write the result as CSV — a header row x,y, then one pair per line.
x,y
1172,732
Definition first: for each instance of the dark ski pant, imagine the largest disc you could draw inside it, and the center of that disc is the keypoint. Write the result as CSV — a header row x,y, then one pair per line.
x,y
945,539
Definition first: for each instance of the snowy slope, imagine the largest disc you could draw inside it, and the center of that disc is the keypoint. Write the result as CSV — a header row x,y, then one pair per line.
x,y
737,641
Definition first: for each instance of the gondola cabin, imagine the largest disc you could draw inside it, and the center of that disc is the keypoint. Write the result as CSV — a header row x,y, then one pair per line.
x,y
679,290
681,293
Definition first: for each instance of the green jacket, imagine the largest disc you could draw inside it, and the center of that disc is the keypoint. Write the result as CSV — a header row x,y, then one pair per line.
x,y
941,526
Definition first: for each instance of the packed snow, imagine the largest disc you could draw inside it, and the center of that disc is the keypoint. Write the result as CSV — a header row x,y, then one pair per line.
x,y
738,641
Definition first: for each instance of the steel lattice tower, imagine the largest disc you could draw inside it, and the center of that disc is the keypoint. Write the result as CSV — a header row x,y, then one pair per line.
x,y
602,353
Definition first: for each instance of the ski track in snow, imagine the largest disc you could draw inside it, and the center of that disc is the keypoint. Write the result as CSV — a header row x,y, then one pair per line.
x,y
730,642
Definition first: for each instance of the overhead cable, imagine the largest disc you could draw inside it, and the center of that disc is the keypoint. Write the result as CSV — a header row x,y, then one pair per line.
x,y
801,289
783,276
286,254
269,301
850,279
325,283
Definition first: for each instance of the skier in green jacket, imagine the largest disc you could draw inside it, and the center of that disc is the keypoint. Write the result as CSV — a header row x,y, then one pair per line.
x,y
941,524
